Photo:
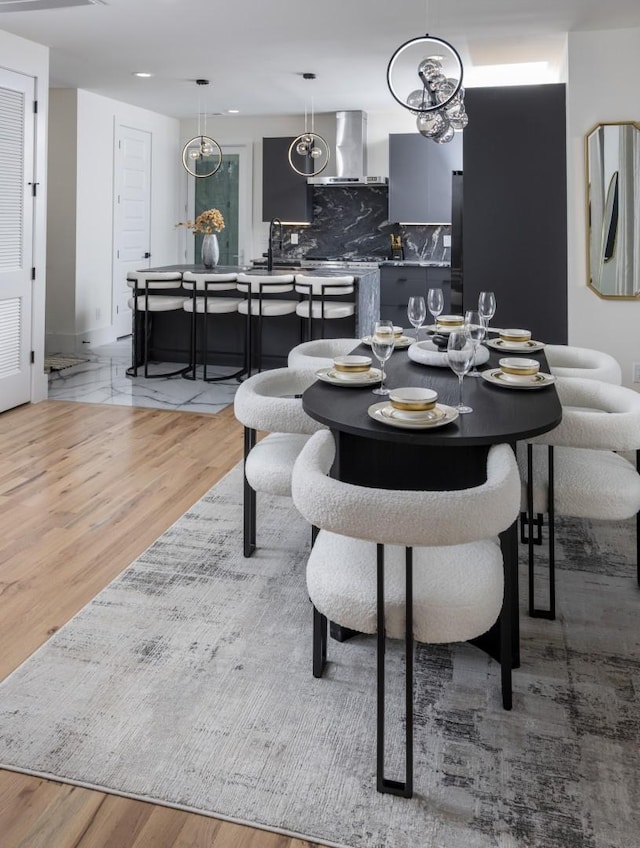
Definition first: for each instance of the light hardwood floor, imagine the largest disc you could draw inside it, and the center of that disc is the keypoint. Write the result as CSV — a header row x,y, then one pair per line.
x,y
84,490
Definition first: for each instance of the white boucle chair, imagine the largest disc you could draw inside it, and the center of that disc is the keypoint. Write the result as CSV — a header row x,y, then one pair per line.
x,y
205,300
143,284
319,303
270,401
260,303
319,353
405,564
584,475
569,361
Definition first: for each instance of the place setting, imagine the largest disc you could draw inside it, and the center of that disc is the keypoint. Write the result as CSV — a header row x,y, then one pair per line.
x,y
350,371
401,340
515,340
413,408
518,372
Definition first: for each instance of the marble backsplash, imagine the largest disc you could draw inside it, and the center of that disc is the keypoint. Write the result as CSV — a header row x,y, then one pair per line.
x,y
351,222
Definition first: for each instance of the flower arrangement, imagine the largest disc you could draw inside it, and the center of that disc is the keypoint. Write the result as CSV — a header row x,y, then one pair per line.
x,y
210,221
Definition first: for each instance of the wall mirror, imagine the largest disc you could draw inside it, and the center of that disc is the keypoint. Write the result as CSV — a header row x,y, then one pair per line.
x,y
613,209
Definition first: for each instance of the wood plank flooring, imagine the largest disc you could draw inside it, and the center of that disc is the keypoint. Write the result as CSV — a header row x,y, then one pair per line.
x,y
84,490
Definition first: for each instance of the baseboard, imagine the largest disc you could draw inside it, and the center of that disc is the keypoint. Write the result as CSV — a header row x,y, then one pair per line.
x,y
78,343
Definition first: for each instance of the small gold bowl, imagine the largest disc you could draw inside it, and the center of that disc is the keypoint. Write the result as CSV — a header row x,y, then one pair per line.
x,y
515,336
517,366
352,364
413,399
450,320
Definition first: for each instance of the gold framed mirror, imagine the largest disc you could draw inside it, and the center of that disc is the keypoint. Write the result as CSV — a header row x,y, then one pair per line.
x,y
612,153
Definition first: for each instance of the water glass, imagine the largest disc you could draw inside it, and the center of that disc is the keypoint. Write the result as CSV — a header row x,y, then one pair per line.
x,y
487,307
460,350
435,302
476,330
416,312
382,342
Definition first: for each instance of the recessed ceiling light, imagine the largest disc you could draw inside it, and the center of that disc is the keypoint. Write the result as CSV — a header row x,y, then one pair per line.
x,y
233,111
144,74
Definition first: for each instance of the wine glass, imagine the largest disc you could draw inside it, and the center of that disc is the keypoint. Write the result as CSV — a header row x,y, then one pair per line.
x,y
476,330
382,342
487,307
416,312
435,302
460,351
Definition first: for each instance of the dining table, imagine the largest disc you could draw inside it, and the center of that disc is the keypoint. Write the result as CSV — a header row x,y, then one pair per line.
x,y
371,452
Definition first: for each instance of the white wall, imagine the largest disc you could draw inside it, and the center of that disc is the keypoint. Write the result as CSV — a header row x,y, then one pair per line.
x,y
91,242
604,68
27,57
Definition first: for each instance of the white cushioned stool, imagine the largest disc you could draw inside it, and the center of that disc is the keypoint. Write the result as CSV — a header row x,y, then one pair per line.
x,y
583,476
205,301
142,301
569,361
319,353
260,303
419,565
270,401
318,304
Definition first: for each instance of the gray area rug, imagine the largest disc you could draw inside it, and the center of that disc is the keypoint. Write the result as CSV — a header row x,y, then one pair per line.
x,y
187,681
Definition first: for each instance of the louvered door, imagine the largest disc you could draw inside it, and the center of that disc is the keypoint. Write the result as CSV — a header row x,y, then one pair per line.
x,y
16,228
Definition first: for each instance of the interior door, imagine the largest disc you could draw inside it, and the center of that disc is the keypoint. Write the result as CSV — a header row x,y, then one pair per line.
x,y
17,94
132,218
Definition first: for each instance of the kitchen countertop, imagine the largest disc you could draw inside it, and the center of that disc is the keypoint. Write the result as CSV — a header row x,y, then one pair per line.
x,y
400,263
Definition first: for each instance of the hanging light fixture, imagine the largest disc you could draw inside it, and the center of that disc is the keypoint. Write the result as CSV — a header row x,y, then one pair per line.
x,y
425,76
309,152
201,155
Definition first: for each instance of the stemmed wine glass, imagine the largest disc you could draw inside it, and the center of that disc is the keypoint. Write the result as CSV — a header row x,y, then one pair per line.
x,y
476,330
460,351
435,302
416,312
382,342
487,307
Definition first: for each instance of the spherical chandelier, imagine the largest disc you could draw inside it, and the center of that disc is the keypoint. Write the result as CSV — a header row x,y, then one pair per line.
x,y
201,155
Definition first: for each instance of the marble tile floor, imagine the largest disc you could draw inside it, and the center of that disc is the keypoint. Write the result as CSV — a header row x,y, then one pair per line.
x,y
103,379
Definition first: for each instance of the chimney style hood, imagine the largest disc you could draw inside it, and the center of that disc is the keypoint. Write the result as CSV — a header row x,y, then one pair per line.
x,y
351,153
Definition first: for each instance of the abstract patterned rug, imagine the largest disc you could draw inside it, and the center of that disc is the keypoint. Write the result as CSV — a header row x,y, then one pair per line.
x,y
187,681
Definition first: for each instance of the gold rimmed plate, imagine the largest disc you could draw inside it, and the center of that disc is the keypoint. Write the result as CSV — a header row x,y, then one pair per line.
x,y
358,378
497,378
437,417
399,343
530,346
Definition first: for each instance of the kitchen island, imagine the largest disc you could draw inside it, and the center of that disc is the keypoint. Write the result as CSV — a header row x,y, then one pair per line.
x,y
170,331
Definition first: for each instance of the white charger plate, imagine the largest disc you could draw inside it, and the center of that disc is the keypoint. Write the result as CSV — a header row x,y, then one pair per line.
x,y
384,413
399,344
363,378
527,347
497,378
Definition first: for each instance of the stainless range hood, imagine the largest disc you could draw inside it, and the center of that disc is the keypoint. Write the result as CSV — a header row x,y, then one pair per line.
x,y
351,153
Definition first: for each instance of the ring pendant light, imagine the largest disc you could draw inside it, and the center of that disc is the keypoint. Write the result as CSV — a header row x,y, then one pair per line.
x,y
201,155
309,152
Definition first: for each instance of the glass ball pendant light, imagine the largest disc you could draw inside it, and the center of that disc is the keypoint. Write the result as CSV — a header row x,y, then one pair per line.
x,y
309,152
439,103
201,155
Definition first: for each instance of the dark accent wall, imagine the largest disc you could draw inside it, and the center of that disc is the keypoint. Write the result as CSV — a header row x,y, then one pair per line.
x,y
515,206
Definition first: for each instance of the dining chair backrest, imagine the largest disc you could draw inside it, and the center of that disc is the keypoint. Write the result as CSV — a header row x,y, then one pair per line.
x,y
570,361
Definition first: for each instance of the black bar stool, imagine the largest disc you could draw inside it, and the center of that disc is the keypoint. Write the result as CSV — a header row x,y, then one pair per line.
x,y
205,301
143,301
261,303
316,307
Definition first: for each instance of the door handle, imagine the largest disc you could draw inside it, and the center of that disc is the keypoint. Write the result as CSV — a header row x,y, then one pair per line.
x,y
147,255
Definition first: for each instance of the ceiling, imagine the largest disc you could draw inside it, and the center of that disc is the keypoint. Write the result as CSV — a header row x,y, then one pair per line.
x,y
254,53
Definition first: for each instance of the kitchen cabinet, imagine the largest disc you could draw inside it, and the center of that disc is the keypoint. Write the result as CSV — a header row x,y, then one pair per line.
x,y
285,194
400,282
420,178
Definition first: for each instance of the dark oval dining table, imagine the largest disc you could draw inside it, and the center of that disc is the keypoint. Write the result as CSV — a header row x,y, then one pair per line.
x,y
372,453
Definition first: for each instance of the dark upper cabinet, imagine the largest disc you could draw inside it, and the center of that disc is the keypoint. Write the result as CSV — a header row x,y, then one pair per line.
x,y
515,206
420,178
285,194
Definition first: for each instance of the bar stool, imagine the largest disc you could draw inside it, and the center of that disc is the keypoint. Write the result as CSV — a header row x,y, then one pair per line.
x,y
260,303
316,307
142,283
205,305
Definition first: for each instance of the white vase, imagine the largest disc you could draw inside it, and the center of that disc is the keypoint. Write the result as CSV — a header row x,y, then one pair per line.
x,y
210,250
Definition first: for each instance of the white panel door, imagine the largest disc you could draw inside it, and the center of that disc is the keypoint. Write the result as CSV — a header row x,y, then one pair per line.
x,y
16,233
132,218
